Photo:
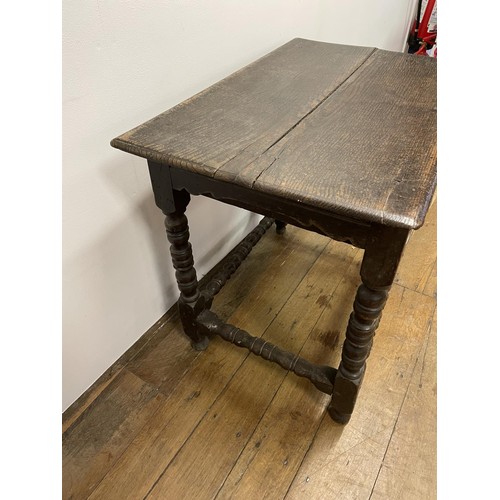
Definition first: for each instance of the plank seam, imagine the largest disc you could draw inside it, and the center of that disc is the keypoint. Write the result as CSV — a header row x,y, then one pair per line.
x,y
425,342
331,295
172,316
356,70
229,381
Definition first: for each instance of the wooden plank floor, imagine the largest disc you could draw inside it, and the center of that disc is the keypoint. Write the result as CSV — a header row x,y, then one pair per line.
x,y
168,422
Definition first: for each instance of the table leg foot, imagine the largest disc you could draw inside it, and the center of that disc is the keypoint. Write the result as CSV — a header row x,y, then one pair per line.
x,y
201,345
280,227
340,418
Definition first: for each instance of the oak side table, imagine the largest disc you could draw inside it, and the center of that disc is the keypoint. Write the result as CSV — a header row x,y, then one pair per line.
x,y
331,138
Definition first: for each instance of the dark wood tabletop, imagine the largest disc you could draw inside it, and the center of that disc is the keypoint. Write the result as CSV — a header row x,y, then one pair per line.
x,y
350,130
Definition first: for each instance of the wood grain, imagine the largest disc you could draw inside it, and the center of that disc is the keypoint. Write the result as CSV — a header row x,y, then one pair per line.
x,y
140,466
336,127
409,467
294,447
168,356
368,151
93,444
277,446
73,412
247,111
344,461
234,416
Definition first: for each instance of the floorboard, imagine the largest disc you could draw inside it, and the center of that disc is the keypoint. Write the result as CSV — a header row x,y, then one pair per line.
x,y
168,422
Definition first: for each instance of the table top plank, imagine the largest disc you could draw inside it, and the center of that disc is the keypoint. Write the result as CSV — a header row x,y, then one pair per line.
x,y
348,129
247,111
368,151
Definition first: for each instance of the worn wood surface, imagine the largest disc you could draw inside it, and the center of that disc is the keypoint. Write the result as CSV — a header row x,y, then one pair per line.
x,y
368,151
343,462
163,354
351,130
249,110
168,355
93,443
288,445
286,430
409,467
151,452
343,130
233,418
73,412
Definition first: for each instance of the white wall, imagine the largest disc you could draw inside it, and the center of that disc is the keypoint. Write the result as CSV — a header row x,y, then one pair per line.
x,y
372,23
124,62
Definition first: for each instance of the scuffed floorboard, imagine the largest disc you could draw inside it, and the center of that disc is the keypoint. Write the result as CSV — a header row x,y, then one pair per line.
x,y
167,422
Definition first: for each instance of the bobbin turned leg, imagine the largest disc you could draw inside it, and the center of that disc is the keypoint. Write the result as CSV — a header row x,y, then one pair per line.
x,y
368,307
182,258
378,269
